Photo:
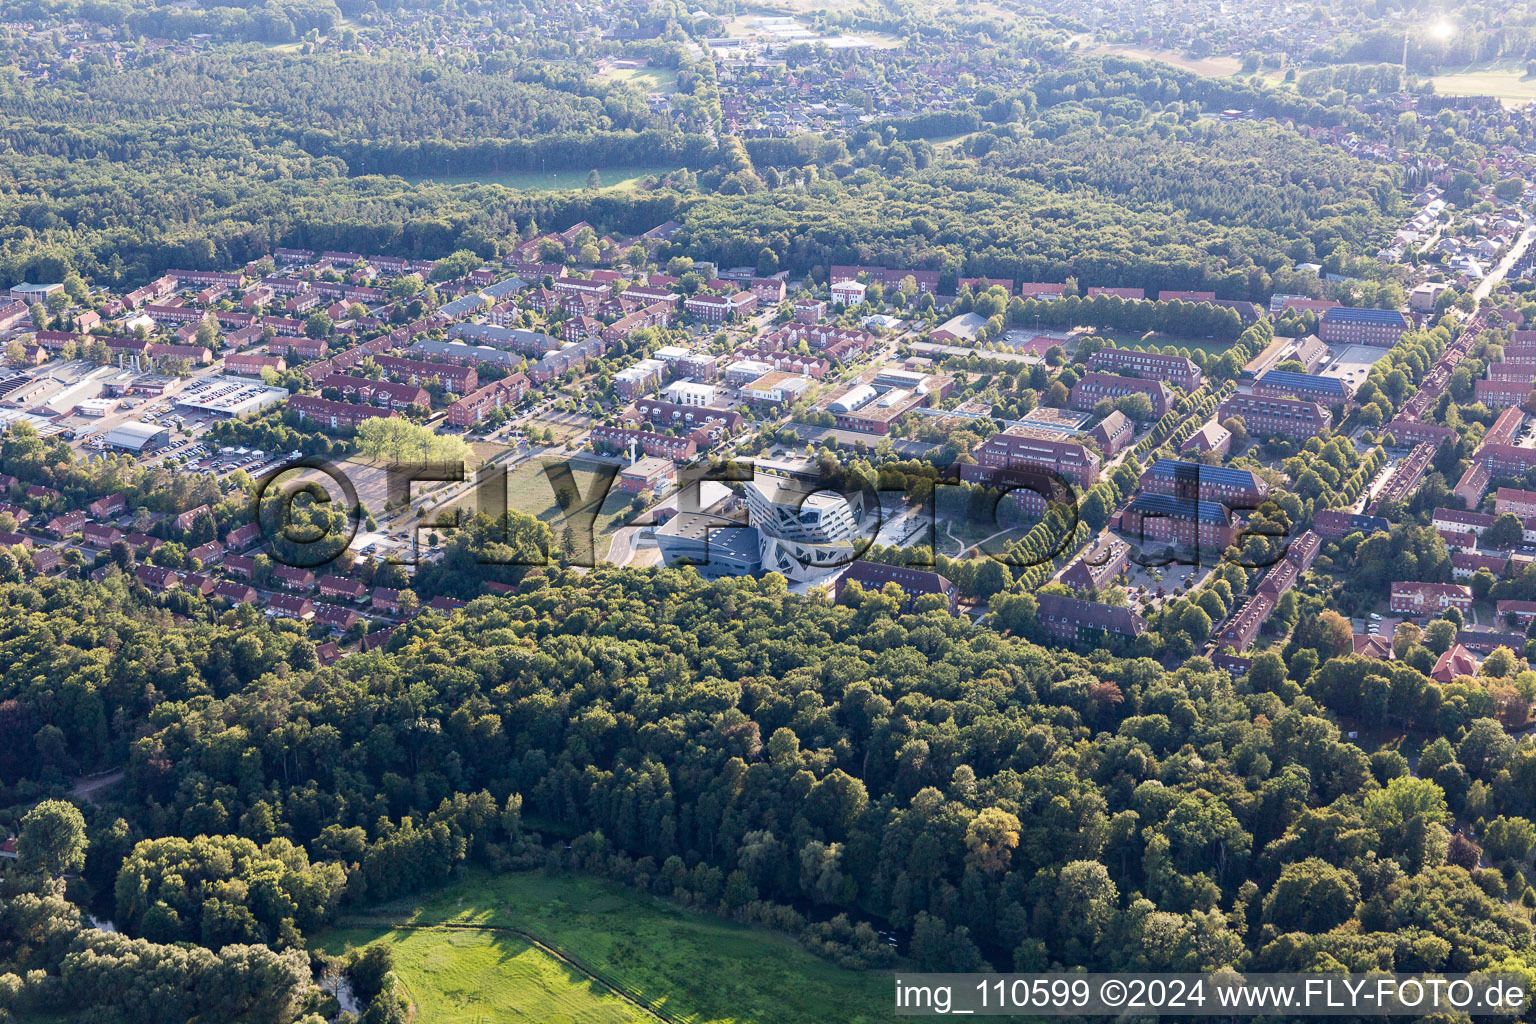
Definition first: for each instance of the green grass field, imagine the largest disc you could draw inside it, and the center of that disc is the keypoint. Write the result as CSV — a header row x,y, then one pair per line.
x,y
690,968
1214,67
1132,339
647,79
1505,80
529,492
454,976
619,179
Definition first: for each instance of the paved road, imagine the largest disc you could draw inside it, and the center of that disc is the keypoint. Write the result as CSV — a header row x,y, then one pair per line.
x,y
1482,291
622,545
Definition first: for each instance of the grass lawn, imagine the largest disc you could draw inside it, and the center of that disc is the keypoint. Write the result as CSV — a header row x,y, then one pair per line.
x,y
1133,339
1506,80
562,430
1215,67
647,79
694,968
466,977
951,141
618,179
529,491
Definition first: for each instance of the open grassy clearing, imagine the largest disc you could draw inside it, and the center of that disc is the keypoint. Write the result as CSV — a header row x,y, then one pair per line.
x,y
1505,80
647,79
1134,339
529,491
1216,67
455,976
689,968
621,179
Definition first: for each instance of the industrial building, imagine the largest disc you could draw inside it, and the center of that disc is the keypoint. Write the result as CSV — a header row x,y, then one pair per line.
x,y
138,437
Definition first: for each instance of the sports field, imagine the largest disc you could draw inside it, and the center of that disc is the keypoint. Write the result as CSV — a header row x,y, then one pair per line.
x,y
599,938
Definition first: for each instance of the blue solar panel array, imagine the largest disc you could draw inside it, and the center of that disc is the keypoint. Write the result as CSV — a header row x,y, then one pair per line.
x,y
1220,475
1355,314
1303,382
1180,508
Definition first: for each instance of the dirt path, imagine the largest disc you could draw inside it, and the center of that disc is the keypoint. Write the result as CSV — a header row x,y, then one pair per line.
x,y
88,784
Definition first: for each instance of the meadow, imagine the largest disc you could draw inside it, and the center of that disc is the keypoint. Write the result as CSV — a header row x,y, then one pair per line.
x,y
459,976
1215,67
616,179
1505,80
529,491
471,952
647,79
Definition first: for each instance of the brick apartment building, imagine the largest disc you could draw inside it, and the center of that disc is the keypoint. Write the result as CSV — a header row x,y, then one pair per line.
x,y
335,415
1095,387
1190,481
1073,620
665,446
1175,370
1020,448
480,403
914,582
1286,417
1347,325
1424,600
1179,522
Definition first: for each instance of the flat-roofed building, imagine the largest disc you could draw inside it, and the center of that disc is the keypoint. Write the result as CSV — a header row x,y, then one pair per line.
x,y
648,474
712,545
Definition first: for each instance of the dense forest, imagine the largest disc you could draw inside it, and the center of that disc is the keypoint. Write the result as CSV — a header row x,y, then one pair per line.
x,y
178,163
777,758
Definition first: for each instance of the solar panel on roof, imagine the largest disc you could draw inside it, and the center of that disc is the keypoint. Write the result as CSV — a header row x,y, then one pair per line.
x,y
1180,508
1359,315
1210,474
1303,381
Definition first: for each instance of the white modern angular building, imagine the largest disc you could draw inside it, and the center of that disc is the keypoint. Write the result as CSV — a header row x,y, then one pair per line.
x,y
805,531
